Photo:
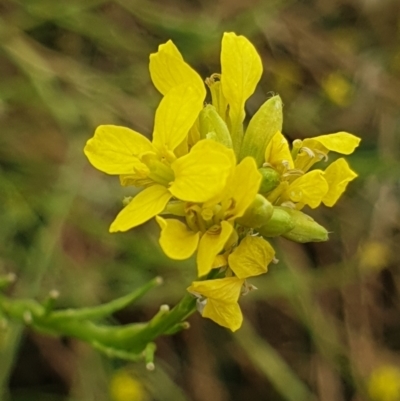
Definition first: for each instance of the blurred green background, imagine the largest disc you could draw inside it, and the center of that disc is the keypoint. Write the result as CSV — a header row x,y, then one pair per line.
x,y
323,320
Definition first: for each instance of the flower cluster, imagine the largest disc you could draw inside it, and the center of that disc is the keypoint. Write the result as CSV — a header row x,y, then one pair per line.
x,y
215,187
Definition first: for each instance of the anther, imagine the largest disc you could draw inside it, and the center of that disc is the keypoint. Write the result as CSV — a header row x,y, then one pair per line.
x,y
321,155
308,151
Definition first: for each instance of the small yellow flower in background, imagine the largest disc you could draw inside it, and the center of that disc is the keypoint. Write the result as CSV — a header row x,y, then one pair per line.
x,y
216,187
337,88
126,387
384,384
374,255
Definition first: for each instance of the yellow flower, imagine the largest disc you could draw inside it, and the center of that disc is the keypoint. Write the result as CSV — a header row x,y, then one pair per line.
x,y
194,177
205,168
220,297
241,69
302,187
125,387
211,224
337,88
384,384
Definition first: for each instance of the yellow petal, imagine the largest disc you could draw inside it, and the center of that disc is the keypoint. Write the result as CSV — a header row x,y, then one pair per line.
x,y
244,186
210,245
222,289
337,175
251,257
203,173
278,153
340,142
145,205
220,261
116,150
225,314
176,240
168,70
241,70
309,189
175,116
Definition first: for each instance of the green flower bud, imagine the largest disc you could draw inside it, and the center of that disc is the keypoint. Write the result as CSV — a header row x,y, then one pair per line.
x,y
306,229
279,223
262,127
212,126
270,179
257,214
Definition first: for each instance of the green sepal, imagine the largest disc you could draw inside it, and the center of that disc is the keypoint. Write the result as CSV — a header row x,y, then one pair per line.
x,y
212,126
257,214
262,127
270,179
306,229
279,223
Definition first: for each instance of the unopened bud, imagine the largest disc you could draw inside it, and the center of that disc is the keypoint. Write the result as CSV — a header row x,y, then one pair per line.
x,y
270,179
306,229
279,223
257,214
262,127
212,126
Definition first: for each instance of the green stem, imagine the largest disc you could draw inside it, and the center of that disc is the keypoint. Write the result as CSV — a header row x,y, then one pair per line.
x,y
132,338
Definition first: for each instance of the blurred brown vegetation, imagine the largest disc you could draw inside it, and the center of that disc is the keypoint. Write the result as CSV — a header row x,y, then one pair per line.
x,y
322,320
